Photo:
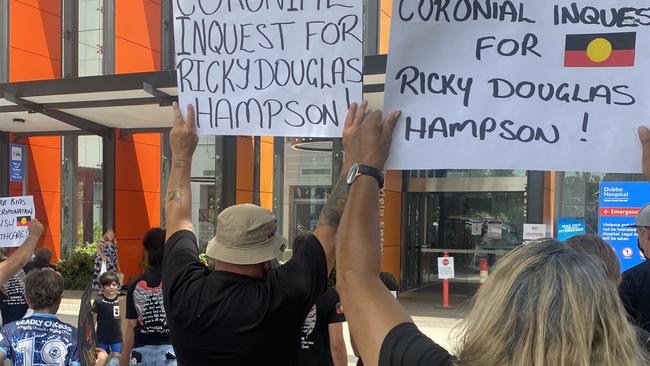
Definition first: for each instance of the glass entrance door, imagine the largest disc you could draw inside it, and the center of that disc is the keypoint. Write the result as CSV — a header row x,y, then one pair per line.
x,y
469,226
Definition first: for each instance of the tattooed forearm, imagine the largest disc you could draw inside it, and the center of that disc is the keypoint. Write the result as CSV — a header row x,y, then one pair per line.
x,y
175,196
333,209
179,163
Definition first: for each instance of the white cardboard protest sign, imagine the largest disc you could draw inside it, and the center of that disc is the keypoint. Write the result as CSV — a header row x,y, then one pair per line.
x,y
445,268
15,215
269,68
537,85
534,231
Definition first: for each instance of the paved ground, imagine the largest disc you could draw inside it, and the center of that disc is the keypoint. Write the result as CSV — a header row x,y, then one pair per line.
x,y
424,307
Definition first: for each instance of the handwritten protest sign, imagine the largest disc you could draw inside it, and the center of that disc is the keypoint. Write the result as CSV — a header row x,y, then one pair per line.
x,y
15,215
538,85
269,67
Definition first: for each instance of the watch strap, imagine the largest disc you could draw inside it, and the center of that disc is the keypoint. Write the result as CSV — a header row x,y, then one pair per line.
x,y
373,172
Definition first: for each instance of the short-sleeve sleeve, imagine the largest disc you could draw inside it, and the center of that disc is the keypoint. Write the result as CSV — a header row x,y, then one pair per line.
x,y
304,277
95,306
131,313
406,345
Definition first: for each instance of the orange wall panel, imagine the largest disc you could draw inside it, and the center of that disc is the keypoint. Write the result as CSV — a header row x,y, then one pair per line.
x,y
50,6
393,180
266,200
392,218
144,162
35,30
34,40
137,35
266,167
243,197
27,66
136,213
137,196
134,58
244,164
390,261
44,184
386,9
145,31
137,181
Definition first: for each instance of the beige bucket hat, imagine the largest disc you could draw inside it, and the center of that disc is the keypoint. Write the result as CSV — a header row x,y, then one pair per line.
x,y
246,234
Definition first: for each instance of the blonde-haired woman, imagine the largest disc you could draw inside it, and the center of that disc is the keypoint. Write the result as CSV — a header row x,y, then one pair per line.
x,y
544,305
106,259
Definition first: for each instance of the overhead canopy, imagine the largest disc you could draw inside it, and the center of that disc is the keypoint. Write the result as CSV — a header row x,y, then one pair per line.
x,y
96,104
90,104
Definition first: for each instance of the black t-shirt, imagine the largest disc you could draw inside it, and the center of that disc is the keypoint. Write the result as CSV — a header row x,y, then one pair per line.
x,y
12,298
144,302
315,338
109,330
224,318
406,345
635,295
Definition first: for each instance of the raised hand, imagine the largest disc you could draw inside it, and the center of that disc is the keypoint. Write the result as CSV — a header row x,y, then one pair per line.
x,y
35,228
183,138
367,137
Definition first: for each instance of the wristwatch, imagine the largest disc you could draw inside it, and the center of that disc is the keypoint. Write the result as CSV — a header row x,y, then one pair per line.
x,y
358,169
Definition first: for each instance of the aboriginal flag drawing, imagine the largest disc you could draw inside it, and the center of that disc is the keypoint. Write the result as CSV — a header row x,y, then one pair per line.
x,y
23,220
600,50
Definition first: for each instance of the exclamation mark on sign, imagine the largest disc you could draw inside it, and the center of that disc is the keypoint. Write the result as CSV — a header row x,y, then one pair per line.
x,y
585,123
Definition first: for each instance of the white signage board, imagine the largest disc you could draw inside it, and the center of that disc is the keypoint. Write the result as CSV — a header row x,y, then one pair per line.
x,y
15,215
494,230
537,85
445,268
534,231
269,68
477,228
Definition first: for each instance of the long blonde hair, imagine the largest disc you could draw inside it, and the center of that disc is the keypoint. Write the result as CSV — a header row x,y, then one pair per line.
x,y
546,305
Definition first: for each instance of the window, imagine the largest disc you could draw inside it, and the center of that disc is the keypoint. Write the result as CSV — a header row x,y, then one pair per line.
x,y
91,24
307,183
89,189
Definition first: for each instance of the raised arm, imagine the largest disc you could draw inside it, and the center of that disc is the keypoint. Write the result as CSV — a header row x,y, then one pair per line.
x,y
370,309
23,254
183,141
330,215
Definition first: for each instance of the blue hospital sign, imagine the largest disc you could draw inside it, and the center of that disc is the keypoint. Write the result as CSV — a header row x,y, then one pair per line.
x,y
619,203
17,163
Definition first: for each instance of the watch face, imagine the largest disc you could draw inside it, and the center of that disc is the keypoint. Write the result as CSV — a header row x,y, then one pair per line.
x,y
352,173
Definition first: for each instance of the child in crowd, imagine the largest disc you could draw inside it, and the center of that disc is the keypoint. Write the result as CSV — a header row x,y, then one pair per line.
x,y
41,339
107,315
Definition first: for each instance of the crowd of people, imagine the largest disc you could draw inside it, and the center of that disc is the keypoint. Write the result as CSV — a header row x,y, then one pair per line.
x,y
546,303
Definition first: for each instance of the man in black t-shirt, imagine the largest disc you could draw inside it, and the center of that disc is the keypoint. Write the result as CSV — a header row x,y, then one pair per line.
x,y
322,342
240,312
147,336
